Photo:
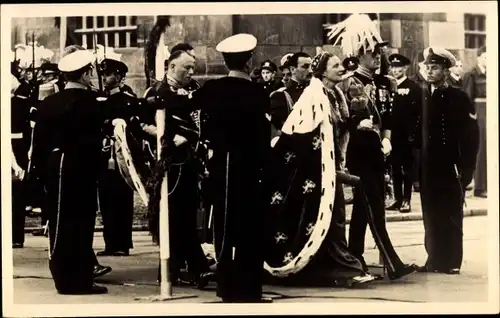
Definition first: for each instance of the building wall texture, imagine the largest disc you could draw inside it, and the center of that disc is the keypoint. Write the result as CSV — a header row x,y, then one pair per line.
x,y
277,35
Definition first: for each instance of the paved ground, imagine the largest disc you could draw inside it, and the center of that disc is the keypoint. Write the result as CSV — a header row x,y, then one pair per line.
x,y
135,276
474,206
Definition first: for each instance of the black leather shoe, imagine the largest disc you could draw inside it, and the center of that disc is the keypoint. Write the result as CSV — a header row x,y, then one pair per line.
x,y
17,245
452,271
39,232
416,187
394,206
100,270
406,270
202,280
104,253
113,253
405,207
263,300
122,253
94,290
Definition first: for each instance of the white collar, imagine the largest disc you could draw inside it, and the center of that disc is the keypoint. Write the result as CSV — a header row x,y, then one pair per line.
x,y
77,85
434,87
455,77
114,90
239,74
401,80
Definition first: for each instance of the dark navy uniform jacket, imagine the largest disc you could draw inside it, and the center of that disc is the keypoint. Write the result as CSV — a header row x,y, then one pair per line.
x,y
280,108
407,99
449,136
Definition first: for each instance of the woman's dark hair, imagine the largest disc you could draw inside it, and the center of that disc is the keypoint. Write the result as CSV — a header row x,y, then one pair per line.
x,y
237,61
319,64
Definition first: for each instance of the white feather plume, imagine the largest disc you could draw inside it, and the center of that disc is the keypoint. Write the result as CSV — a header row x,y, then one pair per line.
x,y
24,53
356,32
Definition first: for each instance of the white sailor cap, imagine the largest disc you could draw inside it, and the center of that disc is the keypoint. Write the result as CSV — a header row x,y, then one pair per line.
x,y
238,43
75,61
285,59
438,55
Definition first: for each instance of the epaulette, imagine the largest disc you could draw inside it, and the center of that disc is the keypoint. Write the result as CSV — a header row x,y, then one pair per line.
x,y
128,94
281,89
147,91
196,84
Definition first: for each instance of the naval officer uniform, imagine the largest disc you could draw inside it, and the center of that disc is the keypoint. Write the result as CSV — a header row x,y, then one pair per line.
x,y
233,112
116,197
406,98
447,134
66,156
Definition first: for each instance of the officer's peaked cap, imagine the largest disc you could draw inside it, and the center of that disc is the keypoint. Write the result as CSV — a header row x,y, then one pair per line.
x,y
238,43
75,61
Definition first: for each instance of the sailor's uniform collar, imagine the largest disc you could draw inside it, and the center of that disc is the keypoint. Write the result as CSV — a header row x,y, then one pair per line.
x,y
73,85
239,74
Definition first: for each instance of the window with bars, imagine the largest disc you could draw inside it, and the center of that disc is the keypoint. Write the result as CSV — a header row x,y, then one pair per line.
x,y
111,31
475,30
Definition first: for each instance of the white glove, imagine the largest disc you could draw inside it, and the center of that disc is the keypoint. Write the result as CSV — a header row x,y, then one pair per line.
x,y
365,124
386,146
179,140
274,141
18,172
150,129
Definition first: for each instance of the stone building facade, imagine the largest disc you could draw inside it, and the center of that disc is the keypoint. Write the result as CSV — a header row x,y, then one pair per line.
x,y
277,35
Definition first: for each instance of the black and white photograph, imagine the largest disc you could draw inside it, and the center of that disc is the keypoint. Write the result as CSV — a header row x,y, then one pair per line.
x,y
249,158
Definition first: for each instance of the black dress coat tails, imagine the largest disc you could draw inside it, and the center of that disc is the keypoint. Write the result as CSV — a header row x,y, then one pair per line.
x,y
235,125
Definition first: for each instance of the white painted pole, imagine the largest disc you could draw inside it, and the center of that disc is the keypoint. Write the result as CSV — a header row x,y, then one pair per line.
x,y
165,283
164,223
62,35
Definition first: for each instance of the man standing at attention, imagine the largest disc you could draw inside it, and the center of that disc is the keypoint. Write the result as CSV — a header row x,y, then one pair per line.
x,y
474,84
66,155
446,132
116,198
406,98
456,72
233,112
178,157
285,69
282,100
268,73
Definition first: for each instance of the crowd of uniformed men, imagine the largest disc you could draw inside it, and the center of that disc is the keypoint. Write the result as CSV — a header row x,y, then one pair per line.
x,y
61,142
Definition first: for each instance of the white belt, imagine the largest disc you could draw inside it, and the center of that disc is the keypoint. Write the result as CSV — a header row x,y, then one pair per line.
x,y
480,100
17,136
22,97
